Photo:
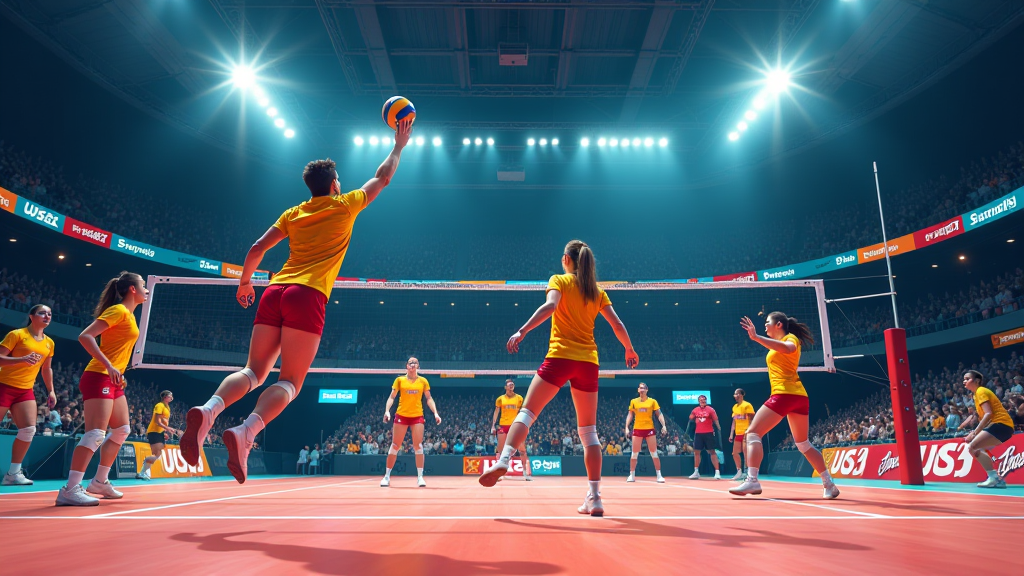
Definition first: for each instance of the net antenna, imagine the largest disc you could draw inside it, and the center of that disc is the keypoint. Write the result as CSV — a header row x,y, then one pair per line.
x,y
462,328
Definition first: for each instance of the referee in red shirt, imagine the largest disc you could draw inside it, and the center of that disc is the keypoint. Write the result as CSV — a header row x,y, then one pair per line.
x,y
706,420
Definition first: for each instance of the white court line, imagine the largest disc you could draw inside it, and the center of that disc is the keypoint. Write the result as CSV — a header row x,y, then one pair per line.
x,y
448,518
1009,494
240,496
832,508
194,484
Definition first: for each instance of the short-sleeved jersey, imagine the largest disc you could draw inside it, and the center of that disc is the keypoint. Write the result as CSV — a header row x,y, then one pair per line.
x,y
20,342
739,416
117,341
643,413
319,231
410,396
572,324
782,369
159,410
999,413
509,408
704,418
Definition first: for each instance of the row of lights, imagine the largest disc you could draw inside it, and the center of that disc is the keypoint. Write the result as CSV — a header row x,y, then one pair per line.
x,y
386,140
777,82
478,141
625,142
244,78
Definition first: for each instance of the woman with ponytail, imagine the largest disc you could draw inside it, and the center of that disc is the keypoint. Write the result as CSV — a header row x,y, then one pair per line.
x,y
573,302
102,387
24,353
785,336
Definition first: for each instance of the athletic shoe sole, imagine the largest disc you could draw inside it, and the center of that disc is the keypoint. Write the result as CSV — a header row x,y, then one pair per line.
x,y
753,493
189,443
490,477
26,483
104,495
231,442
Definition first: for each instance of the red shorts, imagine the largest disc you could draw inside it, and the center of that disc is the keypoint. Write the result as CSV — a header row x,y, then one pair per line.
x,y
642,433
504,429
783,404
409,420
579,374
292,305
98,385
9,395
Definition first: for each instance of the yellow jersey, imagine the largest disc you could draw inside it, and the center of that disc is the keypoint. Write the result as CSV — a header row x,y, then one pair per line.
x,y
160,409
782,369
117,341
509,408
999,413
319,231
643,413
20,343
410,396
572,324
739,416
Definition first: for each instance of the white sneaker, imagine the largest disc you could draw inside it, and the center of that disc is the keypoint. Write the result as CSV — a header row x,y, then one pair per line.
x,y
592,505
631,478
143,476
528,477
831,491
695,475
104,489
238,446
75,496
421,483
198,422
660,479
718,476
739,477
490,475
18,479
996,482
385,482
748,487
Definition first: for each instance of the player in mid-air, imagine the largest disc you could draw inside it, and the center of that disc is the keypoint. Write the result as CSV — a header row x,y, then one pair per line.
x,y
159,422
994,427
290,317
785,337
411,390
644,409
706,424
506,407
742,414
573,301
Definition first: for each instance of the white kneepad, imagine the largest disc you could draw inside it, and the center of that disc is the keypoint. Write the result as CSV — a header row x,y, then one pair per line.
x,y
25,434
804,447
752,438
254,382
392,451
525,417
588,435
119,434
288,387
92,439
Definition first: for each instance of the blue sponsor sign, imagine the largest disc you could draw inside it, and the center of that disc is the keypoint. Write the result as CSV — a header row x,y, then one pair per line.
x,y
689,396
129,246
809,268
546,465
338,396
993,210
41,215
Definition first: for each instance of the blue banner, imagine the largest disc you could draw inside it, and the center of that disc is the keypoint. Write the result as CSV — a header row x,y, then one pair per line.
x,y
993,210
809,268
338,396
689,396
41,215
546,465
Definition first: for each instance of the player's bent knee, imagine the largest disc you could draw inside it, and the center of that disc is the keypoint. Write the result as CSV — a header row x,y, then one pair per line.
x,y
119,435
804,447
288,388
25,434
588,435
634,455
525,417
393,450
92,439
752,438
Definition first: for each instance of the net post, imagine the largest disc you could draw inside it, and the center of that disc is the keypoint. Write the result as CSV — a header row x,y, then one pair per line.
x,y
908,445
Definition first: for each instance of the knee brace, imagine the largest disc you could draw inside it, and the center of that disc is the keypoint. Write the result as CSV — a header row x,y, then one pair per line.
x,y
118,435
654,455
92,439
752,438
288,387
634,456
419,450
588,436
525,417
25,434
254,382
804,447
392,451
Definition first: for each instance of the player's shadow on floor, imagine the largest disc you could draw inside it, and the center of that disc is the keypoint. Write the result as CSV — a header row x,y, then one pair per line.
x,y
340,562
748,535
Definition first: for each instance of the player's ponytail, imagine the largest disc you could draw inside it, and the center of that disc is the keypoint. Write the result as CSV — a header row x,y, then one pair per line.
x,y
794,327
586,268
115,291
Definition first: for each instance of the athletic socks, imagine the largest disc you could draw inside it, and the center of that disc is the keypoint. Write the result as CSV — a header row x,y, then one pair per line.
x,y
146,465
419,472
75,478
15,468
752,473
101,473
826,477
253,426
595,487
387,473
506,454
215,405
993,475
659,473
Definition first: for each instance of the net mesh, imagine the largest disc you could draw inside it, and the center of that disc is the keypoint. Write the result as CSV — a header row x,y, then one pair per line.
x,y
370,328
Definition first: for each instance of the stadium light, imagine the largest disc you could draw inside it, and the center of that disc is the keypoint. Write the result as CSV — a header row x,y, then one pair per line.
x,y
259,92
1010,241
530,141
88,264
264,102
478,141
663,142
243,77
585,142
750,115
279,122
759,102
358,140
15,240
490,141
385,140
271,111
734,136
778,81
613,142
60,256
374,140
601,141
554,141
742,126
648,142
465,141
437,141
289,133
636,141
543,141
420,140
625,142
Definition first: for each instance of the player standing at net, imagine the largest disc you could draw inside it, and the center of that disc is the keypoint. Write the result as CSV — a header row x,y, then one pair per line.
x,y
995,426
573,302
705,421
506,408
644,409
788,400
411,390
159,422
290,317
742,414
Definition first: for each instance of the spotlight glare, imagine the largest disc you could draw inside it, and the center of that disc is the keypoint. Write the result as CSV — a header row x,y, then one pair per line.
x,y
663,142
601,141
358,140
385,140
420,140
613,142
759,102
778,81
636,141
490,141
742,126
750,115
243,77
60,257
543,141
259,93
734,136
625,142
437,141
648,142
465,141
554,141
585,142
374,140
264,102
279,122
530,141
289,133
478,141
271,111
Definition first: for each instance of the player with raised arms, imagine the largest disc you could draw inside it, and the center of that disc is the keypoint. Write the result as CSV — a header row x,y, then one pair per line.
x,y
644,409
290,317
506,407
159,422
573,301
785,337
742,414
995,426
411,390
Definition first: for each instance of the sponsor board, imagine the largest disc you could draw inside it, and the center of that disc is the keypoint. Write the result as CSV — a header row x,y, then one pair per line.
x,y
230,270
87,232
40,215
129,246
338,396
8,200
170,464
1008,338
993,210
741,277
939,232
876,252
786,273
209,266
689,396
941,461
539,465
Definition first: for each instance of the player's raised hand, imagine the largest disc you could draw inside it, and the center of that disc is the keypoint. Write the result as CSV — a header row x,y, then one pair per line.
x,y
403,133
513,342
747,324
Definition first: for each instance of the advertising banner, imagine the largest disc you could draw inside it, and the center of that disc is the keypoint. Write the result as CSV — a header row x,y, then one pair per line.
x,y
939,232
876,252
941,460
689,396
539,465
1008,338
993,210
230,270
546,465
87,232
40,215
169,465
8,200
338,396
741,277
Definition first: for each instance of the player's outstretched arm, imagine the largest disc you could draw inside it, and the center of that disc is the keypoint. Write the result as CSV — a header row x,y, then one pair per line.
x,y
539,317
387,169
245,295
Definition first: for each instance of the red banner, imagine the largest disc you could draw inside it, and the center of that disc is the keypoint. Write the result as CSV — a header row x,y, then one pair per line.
x,y
87,232
941,461
741,277
939,232
475,465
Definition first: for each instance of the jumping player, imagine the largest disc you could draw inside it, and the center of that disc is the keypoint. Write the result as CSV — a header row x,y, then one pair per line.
x,y
155,432
788,400
573,302
290,317
995,426
644,409
411,390
705,421
102,387
742,414
24,354
506,407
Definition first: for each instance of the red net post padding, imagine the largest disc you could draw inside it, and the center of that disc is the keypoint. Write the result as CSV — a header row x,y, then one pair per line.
x,y
908,445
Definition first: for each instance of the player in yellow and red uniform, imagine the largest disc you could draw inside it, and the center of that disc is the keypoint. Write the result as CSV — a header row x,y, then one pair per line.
x,y
506,408
742,414
158,423
995,426
410,390
644,409
291,313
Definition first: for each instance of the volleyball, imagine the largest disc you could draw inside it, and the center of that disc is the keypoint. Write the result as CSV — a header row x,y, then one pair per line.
x,y
396,109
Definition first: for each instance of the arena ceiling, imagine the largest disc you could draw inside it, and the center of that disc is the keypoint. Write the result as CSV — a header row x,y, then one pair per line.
x,y
687,69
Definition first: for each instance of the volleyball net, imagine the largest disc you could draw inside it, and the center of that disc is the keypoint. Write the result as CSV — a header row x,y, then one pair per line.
x,y
373,328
